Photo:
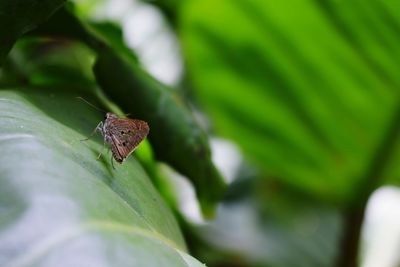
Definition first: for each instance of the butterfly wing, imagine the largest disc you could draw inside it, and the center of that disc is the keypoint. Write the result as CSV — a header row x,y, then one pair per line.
x,y
126,135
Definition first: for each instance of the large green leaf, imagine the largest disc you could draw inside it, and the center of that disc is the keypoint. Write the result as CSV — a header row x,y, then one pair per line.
x,y
308,89
20,16
59,206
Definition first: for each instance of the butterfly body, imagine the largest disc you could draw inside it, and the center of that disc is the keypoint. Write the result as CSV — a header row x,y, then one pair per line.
x,y
123,135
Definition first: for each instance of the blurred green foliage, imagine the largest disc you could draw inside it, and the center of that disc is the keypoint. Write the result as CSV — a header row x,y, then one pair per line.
x,y
291,89
17,18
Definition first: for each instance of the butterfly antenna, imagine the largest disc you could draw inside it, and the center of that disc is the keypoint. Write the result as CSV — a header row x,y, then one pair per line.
x,y
90,104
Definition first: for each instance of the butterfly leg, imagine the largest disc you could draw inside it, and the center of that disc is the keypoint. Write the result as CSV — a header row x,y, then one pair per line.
x,y
99,128
112,162
102,149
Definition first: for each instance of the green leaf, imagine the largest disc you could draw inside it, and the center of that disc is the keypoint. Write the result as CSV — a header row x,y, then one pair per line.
x,y
114,36
308,89
60,206
41,62
20,16
175,136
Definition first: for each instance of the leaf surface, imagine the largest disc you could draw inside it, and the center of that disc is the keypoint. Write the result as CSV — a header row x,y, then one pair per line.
x,y
60,206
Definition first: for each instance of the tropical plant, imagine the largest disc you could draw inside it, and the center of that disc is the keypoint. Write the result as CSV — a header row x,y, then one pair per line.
x,y
307,91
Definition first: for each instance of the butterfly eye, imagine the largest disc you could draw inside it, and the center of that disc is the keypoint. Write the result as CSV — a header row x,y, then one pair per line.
x,y
124,144
122,132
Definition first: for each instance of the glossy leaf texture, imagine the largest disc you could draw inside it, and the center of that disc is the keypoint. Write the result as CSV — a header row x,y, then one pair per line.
x,y
308,89
62,207
17,17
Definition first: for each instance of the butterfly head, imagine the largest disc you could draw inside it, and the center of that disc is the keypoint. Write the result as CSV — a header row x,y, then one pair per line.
x,y
110,115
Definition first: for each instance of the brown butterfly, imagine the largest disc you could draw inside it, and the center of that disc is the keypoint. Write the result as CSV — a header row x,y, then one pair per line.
x,y
123,135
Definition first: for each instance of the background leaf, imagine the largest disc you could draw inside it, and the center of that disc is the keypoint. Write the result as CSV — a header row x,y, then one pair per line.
x,y
298,95
17,18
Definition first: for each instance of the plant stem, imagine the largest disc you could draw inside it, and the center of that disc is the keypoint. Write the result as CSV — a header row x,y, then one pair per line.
x,y
349,245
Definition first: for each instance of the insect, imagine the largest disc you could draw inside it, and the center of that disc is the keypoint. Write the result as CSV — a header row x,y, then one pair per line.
x,y
123,135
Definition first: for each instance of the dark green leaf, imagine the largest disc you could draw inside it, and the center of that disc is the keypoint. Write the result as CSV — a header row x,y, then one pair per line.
x,y
20,16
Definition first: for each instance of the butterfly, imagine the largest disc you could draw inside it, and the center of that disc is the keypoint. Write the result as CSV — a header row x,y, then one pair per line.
x,y
123,135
